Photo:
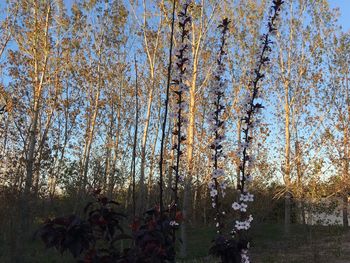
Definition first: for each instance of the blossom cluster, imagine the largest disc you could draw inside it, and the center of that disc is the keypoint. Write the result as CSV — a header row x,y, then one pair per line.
x,y
244,225
217,125
247,197
244,256
240,206
173,223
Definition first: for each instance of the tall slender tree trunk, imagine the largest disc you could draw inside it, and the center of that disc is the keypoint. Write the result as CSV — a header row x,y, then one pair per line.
x,y
151,169
286,76
345,211
40,68
190,147
196,44
346,163
151,61
300,190
40,149
38,86
133,163
185,214
91,131
238,171
89,142
200,171
288,194
142,190
109,140
113,170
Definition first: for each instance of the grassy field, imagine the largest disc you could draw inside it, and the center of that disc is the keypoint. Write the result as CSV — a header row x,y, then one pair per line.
x,y
305,244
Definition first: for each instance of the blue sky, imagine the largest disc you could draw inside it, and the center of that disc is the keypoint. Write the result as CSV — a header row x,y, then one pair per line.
x,y
344,6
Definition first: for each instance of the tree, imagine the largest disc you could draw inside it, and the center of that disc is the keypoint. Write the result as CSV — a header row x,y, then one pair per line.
x,y
337,131
299,59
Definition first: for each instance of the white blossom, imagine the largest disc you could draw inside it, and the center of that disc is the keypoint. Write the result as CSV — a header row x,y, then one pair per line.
x,y
173,223
250,218
243,207
223,185
213,192
236,206
244,256
242,225
249,178
217,173
247,197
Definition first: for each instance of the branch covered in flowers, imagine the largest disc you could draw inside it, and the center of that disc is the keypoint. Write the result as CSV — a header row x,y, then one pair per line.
x,y
181,65
217,127
249,120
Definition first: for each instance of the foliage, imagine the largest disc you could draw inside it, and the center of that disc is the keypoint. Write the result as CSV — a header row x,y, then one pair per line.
x,y
89,239
95,237
153,237
228,249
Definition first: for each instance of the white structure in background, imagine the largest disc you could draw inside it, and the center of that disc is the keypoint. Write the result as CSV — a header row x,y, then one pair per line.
x,y
329,211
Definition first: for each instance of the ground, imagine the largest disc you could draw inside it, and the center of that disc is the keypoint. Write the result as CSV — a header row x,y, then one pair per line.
x,y
306,244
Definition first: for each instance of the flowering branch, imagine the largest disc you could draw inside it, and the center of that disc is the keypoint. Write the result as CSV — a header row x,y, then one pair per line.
x,y
181,65
252,109
217,124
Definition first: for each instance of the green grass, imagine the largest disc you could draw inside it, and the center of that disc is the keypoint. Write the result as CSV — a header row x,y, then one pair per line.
x,y
199,240
35,252
304,244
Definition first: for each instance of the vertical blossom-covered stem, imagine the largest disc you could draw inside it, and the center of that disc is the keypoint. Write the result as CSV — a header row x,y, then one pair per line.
x,y
249,120
181,65
216,122
166,113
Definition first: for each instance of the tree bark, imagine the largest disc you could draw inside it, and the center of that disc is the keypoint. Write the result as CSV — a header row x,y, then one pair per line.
x,y
288,194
